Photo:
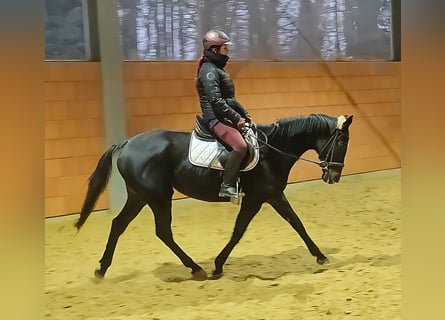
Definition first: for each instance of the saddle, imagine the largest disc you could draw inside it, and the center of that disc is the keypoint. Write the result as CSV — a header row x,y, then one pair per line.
x,y
206,150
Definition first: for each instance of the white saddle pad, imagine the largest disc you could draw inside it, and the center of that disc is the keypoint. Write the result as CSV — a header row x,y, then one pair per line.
x,y
205,153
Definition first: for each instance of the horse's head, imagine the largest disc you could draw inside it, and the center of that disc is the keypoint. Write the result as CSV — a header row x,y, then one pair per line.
x,y
332,151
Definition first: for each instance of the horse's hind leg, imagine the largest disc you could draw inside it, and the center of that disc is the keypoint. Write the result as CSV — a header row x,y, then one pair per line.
x,y
282,206
130,210
163,219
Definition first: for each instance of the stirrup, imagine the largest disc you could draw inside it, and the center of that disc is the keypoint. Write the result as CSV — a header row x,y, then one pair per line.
x,y
237,199
234,193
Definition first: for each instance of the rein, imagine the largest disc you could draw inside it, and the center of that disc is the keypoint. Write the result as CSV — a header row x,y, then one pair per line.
x,y
325,164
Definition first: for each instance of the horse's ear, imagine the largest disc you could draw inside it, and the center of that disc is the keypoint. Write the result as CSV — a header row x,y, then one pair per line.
x,y
347,123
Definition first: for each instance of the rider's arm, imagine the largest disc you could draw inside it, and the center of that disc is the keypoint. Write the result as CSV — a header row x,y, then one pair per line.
x,y
238,107
210,82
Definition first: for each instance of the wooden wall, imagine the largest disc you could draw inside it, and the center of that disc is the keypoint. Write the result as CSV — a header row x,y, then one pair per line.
x,y
162,95
74,134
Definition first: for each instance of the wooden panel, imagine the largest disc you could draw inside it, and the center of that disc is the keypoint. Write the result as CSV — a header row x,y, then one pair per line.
x,y
364,68
60,91
54,206
71,71
266,69
88,90
61,186
370,82
74,133
153,106
364,151
371,164
377,109
374,129
53,168
72,166
85,109
375,95
155,70
56,110
57,206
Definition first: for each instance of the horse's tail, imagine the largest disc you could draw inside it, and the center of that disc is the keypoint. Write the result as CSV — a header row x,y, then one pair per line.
x,y
96,184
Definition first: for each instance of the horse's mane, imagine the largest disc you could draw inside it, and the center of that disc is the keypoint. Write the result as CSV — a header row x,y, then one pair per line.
x,y
305,124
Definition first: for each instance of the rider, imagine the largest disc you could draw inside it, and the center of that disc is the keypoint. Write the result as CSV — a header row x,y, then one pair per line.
x,y
222,113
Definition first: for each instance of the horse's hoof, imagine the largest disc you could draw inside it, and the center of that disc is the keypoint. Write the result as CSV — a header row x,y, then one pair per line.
x,y
99,274
216,275
199,275
322,260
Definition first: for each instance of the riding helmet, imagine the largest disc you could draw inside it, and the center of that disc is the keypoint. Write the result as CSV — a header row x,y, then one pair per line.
x,y
214,38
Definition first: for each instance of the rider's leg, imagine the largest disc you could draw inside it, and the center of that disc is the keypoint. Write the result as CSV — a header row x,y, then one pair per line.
x,y
233,138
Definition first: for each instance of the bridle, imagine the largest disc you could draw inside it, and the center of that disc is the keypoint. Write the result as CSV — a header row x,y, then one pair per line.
x,y
324,164
327,163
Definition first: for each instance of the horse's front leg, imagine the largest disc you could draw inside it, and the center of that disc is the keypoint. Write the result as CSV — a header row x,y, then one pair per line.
x,y
282,206
247,211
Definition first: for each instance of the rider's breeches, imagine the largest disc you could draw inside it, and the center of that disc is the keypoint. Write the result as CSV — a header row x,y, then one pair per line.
x,y
232,138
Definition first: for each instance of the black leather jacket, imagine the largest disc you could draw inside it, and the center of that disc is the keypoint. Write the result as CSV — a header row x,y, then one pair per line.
x,y
216,91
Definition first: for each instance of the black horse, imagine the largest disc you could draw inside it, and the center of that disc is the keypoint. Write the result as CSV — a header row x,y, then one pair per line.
x,y
155,162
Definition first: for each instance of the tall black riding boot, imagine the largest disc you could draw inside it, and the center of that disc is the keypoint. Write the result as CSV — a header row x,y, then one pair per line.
x,y
228,186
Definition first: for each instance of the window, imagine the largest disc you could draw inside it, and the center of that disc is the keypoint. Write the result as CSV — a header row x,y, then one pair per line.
x,y
66,30
288,30
260,29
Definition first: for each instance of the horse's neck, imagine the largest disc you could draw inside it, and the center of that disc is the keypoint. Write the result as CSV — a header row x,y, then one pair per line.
x,y
285,137
290,149
295,144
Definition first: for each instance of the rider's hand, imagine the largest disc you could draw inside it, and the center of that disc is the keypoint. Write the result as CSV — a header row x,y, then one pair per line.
x,y
241,125
249,121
